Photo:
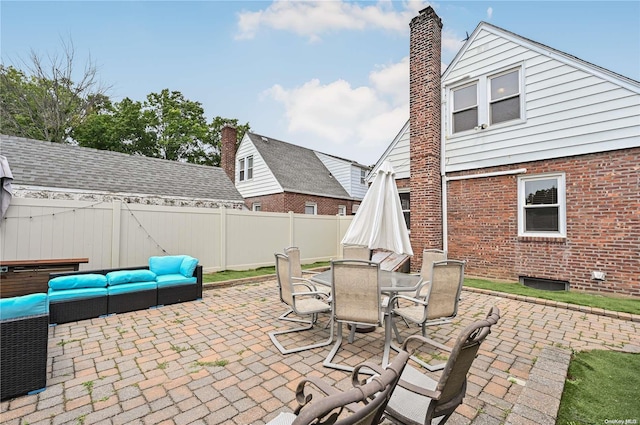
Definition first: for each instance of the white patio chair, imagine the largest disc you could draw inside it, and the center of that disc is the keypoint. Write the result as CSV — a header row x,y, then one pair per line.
x,y
302,300
356,298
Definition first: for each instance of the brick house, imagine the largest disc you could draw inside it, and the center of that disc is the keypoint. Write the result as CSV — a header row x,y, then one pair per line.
x,y
277,176
522,160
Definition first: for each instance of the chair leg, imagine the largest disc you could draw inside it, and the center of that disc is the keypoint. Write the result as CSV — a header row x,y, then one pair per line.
x,y
328,361
309,325
395,328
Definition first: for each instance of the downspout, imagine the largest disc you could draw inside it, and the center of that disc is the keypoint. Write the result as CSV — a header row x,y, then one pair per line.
x,y
446,179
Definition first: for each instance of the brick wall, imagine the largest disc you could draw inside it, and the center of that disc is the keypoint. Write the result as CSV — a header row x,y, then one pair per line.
x,y
228,151
424,121
603,224
285,202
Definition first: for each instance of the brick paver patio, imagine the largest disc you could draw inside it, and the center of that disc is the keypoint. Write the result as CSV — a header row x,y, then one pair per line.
x,y
211,362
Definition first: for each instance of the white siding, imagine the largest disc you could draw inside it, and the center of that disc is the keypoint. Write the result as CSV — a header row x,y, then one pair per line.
x,y
397,154
345,173
263,182
569,110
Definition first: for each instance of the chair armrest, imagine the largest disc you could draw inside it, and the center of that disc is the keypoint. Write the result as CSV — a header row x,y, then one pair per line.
x,y
393,300
356,373
435,395
309,272
303,399
420,340
302,281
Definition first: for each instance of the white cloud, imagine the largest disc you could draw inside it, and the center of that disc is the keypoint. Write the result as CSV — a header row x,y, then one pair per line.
x,y
489,13
354,122
314,18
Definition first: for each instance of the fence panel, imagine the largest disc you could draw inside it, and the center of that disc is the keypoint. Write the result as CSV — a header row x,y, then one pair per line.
x,y
116,234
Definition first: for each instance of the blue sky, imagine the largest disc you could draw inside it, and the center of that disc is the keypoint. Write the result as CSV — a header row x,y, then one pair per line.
x,y
327,75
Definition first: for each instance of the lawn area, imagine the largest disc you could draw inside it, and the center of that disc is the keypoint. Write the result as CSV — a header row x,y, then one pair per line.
x,y
625,305
601,387
234,274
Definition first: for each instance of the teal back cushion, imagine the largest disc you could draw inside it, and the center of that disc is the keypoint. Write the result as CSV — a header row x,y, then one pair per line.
x,y
188,266
169,264
130,276
89,280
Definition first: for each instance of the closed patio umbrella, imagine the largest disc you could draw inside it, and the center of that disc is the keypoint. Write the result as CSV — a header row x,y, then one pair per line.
x,y
379,222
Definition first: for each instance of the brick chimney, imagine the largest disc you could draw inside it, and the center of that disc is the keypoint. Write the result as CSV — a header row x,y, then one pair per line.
x,y
425,135
228,151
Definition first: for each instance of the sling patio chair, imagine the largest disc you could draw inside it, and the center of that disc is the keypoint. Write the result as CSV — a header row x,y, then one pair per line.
x,y
356,252
419,399
439,305
356,300
429,256
363,404
293,252
302,300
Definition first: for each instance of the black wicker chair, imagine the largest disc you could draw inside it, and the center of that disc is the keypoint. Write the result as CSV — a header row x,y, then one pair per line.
x,y
23,347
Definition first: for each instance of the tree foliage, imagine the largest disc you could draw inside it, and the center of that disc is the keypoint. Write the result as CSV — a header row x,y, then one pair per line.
x,y
43,101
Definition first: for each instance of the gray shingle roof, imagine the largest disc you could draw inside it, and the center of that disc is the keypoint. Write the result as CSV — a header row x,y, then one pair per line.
x,y
296,168
45,164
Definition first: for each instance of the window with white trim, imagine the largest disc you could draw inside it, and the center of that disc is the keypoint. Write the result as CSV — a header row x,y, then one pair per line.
x,y
342,210
542,205
257,206
311,208
405,202
363,176
245,168
487,101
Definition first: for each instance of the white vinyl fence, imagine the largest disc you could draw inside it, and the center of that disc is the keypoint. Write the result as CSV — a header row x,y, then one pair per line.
x,y
117,234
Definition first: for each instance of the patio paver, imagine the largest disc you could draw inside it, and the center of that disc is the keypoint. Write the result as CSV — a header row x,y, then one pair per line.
x,y
211,362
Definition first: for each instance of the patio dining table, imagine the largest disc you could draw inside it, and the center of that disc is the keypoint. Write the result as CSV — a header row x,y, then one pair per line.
x,y
390,283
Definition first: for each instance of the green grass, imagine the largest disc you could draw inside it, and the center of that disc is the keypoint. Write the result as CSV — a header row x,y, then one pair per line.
x,y
601,386
236,274
625,305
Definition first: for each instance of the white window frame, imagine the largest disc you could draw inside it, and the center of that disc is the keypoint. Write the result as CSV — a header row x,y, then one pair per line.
x,y
256,206
562,206
363,176
245,168
342,210
311,204
484,98
401,192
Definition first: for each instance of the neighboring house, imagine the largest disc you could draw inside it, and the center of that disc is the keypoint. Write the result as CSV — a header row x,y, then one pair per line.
x,y
522,160
276,176
63,171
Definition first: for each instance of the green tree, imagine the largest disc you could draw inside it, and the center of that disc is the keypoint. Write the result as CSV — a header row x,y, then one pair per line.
x,y
41,99
166,125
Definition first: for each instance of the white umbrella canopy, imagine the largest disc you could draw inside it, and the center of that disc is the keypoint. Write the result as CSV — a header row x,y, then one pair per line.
x,y
379,222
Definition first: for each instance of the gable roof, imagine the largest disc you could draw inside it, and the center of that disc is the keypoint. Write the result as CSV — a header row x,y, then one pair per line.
x,y
64,166
559,55
297,169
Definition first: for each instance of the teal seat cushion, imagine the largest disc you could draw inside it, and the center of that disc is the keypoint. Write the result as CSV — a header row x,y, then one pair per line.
x,y
174,280
130,276
127,288
75,294
88,280
188,266
169,264
24,306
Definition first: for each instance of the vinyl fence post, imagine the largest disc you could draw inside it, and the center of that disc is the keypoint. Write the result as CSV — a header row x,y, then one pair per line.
x,y
223,238
115,233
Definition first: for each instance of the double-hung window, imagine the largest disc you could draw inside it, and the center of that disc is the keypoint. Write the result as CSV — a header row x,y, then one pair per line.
x,y
465,108
542,206
311,208
504,102
245,168
487,101
405,202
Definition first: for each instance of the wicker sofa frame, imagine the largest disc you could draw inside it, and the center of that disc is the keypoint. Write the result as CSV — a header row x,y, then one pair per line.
x,y
23,350
73,310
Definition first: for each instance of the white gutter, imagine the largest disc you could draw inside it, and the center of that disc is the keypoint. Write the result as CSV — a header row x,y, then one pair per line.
x,y
446,179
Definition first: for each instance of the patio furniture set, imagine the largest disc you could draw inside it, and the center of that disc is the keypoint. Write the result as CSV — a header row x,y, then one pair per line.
x,y
74,296
363,295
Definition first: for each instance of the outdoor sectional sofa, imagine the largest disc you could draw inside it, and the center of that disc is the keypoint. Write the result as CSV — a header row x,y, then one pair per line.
x,y
24,337
87,294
